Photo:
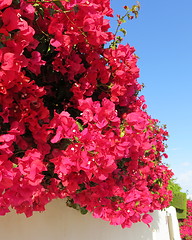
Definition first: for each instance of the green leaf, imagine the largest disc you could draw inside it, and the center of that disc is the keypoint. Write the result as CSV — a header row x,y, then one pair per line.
x,y
93,152
136,14
76,8
80,126
59,5
2,45
40,9
62,144
137,203
16,2
51,11
123,31
122,20
122,133
83,210
76,139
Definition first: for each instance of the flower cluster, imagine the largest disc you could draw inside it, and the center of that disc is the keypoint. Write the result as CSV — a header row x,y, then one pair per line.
x,y
186,224
72,124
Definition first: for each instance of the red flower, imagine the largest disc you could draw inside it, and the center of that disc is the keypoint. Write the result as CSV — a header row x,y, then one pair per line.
x,y
5,3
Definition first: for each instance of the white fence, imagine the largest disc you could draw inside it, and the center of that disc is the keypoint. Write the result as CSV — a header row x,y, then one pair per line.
x,y
59,222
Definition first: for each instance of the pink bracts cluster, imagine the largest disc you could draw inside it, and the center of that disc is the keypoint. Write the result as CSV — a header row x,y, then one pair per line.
x,y
186,224
71,122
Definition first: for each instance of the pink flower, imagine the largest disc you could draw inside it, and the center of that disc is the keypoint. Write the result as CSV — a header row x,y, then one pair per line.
x,y
146,218
5,3
71,121
35,62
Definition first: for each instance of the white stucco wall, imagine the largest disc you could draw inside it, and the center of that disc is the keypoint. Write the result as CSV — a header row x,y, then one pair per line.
x,y
59,222
173,223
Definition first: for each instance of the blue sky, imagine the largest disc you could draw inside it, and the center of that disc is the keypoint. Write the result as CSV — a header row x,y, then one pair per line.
x,y
162,37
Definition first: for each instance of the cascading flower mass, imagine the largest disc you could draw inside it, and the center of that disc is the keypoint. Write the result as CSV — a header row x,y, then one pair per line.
x,y
72,124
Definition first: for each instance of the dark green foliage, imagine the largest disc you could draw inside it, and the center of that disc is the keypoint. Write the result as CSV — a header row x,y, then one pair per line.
x,y
180,203
70,203
179,199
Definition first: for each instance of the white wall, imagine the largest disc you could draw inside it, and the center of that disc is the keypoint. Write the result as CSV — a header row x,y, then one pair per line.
x,y
59,222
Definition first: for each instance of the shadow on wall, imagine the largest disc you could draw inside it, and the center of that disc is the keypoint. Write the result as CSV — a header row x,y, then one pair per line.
x,y
59,222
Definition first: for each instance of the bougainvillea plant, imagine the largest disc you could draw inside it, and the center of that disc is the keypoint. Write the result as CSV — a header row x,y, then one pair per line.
x,y
72,124
186,224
